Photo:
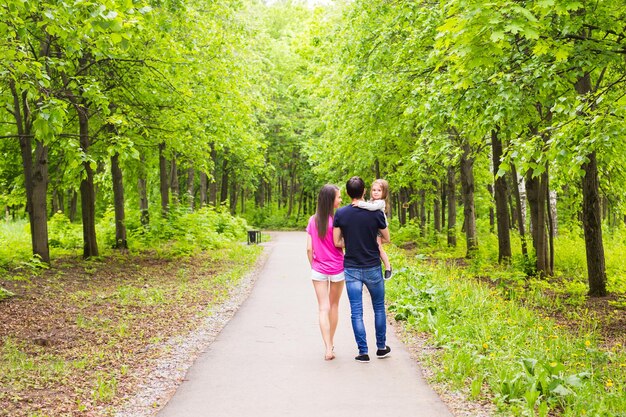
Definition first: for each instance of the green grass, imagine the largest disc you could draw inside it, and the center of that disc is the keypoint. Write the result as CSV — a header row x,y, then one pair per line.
x,y
16,244
113,307
570,267
495,344
182,233
113,330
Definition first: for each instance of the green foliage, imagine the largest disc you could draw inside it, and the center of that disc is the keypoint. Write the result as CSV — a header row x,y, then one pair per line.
x,y
528,363
182,233
105,387
63,233
15,238
129,295
4,294
272,218
187,232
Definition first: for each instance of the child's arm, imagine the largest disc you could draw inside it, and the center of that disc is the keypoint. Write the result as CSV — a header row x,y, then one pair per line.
x,y
373,205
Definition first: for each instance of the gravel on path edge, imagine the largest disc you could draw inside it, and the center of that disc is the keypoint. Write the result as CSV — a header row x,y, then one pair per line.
x,y
171,369
182,351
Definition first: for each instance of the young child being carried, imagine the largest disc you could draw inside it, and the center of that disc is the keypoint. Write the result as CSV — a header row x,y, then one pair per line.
x,y
378,195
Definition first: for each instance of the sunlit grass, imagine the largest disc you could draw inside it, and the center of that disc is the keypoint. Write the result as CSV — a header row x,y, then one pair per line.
x,y
495,327
529,364
16,242
570,263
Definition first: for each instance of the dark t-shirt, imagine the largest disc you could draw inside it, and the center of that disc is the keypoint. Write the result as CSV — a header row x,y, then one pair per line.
x,y
360,228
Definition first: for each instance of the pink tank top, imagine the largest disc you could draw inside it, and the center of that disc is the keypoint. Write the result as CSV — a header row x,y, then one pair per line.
x,y
327,258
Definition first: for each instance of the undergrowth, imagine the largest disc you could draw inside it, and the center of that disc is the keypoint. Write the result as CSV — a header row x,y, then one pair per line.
x,y
530,345
182,232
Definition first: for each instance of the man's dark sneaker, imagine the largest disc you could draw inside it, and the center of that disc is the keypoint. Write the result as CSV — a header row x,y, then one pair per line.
x,y
383,353
388,273
362,358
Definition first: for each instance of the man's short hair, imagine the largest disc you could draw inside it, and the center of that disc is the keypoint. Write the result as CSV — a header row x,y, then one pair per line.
x,y
355,187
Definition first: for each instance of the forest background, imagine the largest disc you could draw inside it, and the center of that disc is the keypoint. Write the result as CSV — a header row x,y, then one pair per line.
x,y
130,127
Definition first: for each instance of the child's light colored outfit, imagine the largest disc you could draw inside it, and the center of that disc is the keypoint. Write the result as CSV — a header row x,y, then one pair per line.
x,y
374,205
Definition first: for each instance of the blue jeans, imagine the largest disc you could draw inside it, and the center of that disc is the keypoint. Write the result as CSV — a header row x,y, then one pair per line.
x,y
373,280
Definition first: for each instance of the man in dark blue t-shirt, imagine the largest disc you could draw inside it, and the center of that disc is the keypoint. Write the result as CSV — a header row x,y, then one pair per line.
x,y
357,229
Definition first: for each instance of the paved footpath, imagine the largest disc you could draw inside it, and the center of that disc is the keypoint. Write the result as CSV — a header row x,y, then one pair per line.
x,y
269,359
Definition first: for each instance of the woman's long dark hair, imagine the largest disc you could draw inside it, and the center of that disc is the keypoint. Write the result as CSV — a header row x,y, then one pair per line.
x,y
325,208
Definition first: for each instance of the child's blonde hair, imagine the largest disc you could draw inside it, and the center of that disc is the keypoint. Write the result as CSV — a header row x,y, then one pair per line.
x,y
384,187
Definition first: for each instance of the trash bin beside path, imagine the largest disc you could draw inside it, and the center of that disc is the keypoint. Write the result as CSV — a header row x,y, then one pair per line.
x,y
254,236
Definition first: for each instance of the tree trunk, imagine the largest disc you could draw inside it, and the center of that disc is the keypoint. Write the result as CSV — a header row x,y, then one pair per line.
x,y
190,187
224,190
260,195
467,190
552,197
39,222
213,179
437,207
142,189
204,180
592,225
73,205
174,184
299,205
61,201
521,221
535,190
422,211
413,208
57,202
35,175
403,205
500,195
163,181
509,199
87,191
444,202
233,197
118,200
592,222
451,195
550,231
492,213
292,191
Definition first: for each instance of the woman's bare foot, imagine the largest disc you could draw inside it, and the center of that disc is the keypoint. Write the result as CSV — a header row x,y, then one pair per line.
x,y
329,356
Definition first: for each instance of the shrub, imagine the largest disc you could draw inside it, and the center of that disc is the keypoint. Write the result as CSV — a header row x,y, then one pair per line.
x,y
63,234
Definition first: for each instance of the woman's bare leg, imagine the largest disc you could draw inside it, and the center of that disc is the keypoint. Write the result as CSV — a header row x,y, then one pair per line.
x,y
336,289
323,303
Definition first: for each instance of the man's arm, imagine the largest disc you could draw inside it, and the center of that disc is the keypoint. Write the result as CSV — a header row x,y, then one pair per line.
x,y
384,235
337,237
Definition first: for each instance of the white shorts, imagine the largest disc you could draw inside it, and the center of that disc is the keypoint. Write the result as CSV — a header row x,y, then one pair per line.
x,y
318,276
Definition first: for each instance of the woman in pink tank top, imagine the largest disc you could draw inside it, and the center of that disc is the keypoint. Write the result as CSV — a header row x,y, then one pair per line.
x,y
326,264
